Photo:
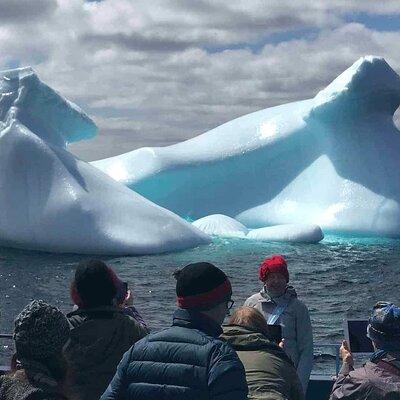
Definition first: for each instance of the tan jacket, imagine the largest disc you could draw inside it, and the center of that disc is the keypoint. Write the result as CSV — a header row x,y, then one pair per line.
x,y
296,328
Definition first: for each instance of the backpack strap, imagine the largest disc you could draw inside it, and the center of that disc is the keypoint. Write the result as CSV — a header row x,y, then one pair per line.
x,y
277,312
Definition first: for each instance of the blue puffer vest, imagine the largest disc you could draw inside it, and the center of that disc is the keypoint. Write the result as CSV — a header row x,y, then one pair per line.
x,y
186,361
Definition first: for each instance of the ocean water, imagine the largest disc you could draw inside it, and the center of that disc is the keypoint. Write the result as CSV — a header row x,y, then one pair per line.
x,y
341,277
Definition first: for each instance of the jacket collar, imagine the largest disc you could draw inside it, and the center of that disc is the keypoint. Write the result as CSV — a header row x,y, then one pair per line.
x,y
290,293
196,320
94,310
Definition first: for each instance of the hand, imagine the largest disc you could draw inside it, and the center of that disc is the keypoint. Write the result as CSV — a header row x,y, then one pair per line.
x,y
345,353
282,344
129,299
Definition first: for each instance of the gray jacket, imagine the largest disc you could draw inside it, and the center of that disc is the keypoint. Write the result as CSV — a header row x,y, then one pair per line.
x,y
296,328
373,381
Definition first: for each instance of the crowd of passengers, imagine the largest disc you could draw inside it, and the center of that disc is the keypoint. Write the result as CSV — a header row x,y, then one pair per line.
x,y
103,349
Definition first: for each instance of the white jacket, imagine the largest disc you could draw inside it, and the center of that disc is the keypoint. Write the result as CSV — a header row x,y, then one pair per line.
x,y
296,328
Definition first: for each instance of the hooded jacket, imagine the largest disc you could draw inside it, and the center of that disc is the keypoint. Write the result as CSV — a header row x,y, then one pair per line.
x,y
99,338
296,328
270,374
18,387
373,381
184,362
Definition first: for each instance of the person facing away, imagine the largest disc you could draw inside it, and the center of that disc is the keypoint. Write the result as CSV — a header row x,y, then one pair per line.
x,y
100,332
279,304
187,360
270,373
378,378
39,369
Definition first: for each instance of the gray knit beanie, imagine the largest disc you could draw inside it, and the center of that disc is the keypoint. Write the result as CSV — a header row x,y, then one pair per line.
x,y
41,331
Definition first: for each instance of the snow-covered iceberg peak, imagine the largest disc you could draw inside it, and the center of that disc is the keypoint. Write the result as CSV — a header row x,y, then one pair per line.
x,y
369,85
331,161
24,97
52,201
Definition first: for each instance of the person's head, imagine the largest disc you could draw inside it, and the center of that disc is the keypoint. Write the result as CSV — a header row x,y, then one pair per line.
x,y
41,331
384,326
250,318
93,285
273,273
205,288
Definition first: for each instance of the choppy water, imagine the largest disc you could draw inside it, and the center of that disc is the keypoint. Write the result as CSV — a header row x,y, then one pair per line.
x,y
337,278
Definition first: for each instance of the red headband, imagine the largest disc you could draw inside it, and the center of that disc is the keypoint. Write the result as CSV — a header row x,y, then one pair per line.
x,y
205,300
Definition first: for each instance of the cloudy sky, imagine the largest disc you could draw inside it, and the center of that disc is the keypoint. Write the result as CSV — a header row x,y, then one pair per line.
x,y
152,73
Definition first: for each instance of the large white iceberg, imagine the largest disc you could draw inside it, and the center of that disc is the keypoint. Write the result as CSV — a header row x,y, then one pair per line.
x,y
52,201
332,161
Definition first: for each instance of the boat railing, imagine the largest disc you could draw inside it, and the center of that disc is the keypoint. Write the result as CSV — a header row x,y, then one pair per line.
x,y
5,368
335,347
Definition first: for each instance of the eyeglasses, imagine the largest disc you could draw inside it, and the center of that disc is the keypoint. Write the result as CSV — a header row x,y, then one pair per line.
x,y
230,304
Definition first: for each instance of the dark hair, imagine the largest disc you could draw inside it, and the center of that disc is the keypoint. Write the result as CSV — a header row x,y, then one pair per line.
x,y
94,283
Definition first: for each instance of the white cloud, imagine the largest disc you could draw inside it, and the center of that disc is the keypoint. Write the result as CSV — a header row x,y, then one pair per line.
x,y
142,69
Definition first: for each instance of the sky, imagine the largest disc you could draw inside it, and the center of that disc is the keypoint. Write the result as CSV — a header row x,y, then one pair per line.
x,y
153,73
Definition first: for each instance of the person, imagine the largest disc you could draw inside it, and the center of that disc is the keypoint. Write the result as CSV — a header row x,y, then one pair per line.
x,y
378,378
187,360
100,332
39,369
124,299
270,373
279,304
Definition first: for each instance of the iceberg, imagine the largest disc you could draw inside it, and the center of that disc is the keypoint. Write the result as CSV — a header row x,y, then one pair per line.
x,y
52,201
290,233
331,161
221,225
224,226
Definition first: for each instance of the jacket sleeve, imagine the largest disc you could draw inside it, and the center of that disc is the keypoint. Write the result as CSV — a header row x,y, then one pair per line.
x,y
296,388
347,385
305,346
117,389
226,376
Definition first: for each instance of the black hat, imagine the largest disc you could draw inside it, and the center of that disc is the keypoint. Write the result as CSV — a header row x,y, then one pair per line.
x,y
201,286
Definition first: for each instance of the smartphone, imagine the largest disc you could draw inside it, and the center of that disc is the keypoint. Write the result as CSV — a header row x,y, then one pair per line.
x,y
355,332
275,333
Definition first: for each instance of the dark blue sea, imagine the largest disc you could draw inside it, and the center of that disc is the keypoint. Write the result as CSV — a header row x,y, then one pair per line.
x,y
341,277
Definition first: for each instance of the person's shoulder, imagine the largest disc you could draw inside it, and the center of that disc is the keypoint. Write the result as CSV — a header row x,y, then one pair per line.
x,y
221,348
298,303
253,299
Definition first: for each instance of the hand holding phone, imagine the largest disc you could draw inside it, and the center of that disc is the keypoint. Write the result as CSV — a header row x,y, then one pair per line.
x,y
345,353
128,299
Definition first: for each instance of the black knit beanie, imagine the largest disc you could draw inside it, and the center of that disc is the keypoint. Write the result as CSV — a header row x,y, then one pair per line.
x,y
201,286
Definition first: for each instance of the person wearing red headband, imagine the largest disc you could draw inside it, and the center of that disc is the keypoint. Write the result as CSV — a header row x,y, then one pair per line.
x,y
100,330
279,304
187,360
